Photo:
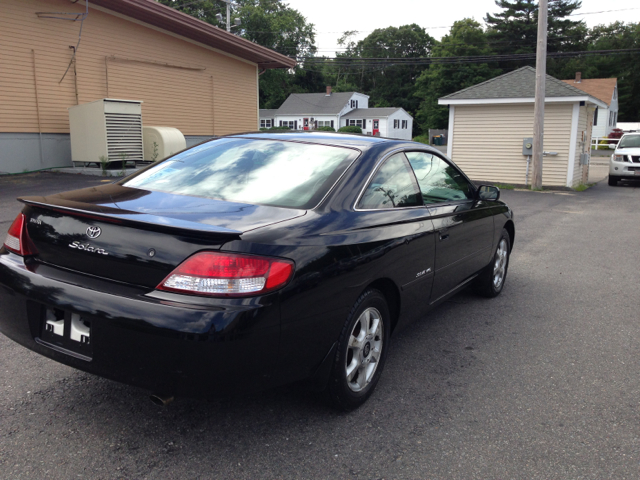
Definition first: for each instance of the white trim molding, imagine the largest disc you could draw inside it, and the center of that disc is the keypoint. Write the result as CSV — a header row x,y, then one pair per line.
x,y
575,116
490,101
452,114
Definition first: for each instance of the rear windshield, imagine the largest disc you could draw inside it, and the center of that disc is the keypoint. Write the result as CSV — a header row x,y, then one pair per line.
x,y
630,141
266,172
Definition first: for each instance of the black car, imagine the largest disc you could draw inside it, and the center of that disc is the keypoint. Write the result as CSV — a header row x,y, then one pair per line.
x,y
251,261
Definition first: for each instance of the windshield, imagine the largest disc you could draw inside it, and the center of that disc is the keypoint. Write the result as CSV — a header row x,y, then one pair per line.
x,y
267,172
630,141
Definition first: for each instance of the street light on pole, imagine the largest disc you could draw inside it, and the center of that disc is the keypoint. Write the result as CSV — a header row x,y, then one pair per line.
x,y
538,110
236,21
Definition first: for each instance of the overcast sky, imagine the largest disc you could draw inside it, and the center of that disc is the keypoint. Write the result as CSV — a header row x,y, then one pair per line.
x,y
332,17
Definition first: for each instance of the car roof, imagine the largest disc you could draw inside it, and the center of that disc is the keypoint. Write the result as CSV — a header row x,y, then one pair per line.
x,y
322,138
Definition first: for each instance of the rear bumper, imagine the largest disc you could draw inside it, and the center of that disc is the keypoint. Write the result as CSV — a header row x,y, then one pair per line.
x,y
162,342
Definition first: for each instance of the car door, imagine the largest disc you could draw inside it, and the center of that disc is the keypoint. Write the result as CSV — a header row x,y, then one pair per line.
x,y
401,236
464,225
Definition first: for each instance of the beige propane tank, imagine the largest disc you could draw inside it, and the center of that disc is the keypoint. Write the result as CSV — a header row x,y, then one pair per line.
x,y
161,142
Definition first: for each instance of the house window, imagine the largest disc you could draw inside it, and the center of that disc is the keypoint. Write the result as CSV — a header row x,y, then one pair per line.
x,y
610,118
356,123
396,124
404,124
354,103
292,124
595,117
265,123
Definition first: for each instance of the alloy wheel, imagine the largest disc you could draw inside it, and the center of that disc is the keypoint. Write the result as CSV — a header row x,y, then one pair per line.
x,y
364,349
500,266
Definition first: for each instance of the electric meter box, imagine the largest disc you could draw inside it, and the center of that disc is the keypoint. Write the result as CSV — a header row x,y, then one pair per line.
x,y
527,147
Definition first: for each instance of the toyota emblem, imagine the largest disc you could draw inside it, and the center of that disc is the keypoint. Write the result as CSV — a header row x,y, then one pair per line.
x,y
94,232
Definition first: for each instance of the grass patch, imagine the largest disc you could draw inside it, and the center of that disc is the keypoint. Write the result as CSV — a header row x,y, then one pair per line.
x,y
505,186
581,187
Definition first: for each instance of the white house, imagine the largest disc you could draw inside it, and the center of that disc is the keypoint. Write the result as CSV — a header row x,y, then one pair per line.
x,y
605,119
309,111
383,122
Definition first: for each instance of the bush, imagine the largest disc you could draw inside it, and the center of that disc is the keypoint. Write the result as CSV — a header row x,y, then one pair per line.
x,y
603,145
350,129
422,139
325,129
278,128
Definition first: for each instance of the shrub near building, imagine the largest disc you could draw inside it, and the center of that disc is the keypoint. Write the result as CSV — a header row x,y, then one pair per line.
x,y
350,129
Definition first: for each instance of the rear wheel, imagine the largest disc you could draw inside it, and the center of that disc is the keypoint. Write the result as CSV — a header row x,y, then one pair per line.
x,y
491,281
362,351
613,181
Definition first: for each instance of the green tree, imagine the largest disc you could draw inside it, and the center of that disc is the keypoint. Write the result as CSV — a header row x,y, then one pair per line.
x,y
624,67
388,85
393,85
515,29
466,38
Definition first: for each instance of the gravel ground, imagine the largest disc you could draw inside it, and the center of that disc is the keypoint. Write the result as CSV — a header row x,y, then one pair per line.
x,y
539,383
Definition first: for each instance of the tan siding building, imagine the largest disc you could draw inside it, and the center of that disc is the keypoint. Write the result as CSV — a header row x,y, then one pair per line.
x,y
489,122
189,75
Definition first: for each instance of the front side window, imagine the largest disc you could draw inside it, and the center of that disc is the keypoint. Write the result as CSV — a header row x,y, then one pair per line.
x,y
439,181
393,186
266,172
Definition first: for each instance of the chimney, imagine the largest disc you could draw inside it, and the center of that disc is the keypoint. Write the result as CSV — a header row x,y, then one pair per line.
x,y
578,77
328,90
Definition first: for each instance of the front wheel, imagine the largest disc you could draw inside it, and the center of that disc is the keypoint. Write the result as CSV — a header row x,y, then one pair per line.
x,y
362,351
491,281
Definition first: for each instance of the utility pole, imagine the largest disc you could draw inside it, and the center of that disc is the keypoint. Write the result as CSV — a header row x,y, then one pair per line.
x,y
538,110
228,2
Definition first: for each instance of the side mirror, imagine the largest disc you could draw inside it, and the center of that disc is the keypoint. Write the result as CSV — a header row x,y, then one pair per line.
x,y
488,192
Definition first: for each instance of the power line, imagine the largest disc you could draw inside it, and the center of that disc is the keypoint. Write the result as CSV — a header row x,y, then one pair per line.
x,y
357,62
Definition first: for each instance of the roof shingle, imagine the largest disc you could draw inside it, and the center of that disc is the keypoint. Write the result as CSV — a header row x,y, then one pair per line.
x,y
520,83
371,112
600,88
314,103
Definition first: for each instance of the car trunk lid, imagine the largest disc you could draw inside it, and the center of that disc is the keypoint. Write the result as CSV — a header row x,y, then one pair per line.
x,y
136,236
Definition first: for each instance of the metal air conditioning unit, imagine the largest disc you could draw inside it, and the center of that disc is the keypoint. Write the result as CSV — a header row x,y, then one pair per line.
x,y
106,130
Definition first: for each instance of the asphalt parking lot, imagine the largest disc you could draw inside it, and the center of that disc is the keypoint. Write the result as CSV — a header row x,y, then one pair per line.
x,y
539,383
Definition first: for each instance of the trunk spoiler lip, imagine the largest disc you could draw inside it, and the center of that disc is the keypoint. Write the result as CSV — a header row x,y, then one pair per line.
x,y
138,219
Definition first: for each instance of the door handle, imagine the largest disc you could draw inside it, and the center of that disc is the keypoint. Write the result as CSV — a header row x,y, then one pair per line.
x,y
444,234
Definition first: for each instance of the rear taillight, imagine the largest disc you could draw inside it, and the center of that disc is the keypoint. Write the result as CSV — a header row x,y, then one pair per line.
x,y
227,274
17,240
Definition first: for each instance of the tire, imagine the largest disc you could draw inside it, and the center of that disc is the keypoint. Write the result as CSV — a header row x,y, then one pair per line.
x,y
361,353
491,281
613,181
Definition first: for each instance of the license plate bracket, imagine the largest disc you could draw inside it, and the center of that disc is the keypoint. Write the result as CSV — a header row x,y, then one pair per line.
x,y
66,332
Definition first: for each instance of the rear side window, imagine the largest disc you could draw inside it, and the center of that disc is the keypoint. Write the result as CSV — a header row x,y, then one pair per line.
x,y
439,181
393,186
266,172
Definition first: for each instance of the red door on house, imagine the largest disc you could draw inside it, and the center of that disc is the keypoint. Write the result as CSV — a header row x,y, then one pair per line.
x,y
376,128
306,123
